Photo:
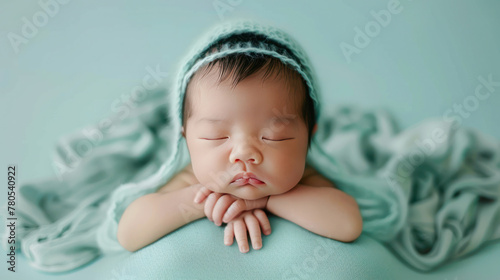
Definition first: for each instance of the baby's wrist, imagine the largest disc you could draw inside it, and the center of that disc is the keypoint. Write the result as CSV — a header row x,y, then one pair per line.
x,y
267,202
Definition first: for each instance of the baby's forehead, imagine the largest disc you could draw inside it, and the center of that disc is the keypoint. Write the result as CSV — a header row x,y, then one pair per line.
x,y
291,84
282,100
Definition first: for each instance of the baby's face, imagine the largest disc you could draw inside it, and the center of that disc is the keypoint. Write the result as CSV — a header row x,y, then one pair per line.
x,y
254,127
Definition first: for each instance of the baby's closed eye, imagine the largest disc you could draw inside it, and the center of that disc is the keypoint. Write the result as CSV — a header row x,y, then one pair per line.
x,y
216,138
278,139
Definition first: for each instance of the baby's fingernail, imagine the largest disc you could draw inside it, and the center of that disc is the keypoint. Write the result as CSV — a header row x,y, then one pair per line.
x,y
244,249
257,246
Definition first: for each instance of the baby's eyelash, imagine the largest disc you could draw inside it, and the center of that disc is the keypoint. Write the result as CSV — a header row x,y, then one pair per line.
x,y
277,140
215,138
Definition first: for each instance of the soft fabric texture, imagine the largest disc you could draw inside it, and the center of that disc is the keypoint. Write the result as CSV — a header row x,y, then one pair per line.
x,y
290,252
430,192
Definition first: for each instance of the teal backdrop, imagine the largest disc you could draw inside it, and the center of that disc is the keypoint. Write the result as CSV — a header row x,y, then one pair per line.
x,y
68,64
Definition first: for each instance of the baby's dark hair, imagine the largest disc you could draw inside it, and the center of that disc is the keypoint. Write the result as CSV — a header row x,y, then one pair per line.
x,y
239,66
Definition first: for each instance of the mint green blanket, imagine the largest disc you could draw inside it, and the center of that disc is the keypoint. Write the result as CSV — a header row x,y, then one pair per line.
x,y
430,192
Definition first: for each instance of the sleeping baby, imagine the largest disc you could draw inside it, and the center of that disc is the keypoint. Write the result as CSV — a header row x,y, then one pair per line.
x,y
249,114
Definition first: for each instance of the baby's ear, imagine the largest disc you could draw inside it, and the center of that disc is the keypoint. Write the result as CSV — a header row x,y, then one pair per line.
x,y
315,127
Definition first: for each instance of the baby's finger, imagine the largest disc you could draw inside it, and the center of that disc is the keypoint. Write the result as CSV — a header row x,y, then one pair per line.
x,y
209,204
263,221
236,208
254,231
228,234
240,232
202,193
220,208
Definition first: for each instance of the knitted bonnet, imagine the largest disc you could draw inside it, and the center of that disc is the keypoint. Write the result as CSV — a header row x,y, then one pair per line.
x,y
244,37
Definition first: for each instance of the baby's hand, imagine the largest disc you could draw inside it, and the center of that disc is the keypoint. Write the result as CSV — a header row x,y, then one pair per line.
x,y
220,207
254,221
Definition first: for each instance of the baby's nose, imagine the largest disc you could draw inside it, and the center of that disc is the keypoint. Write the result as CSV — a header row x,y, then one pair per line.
x,y
247,154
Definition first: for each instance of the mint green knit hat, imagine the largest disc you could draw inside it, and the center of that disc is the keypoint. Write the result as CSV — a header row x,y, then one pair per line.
x,y
244,36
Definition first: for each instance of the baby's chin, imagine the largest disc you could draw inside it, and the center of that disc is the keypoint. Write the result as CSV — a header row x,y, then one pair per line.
x,y
248,193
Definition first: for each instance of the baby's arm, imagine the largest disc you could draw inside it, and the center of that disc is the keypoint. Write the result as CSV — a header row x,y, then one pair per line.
x,y
152,216
321,209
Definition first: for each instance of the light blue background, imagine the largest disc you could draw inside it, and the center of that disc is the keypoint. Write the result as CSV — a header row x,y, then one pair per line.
x,y
91,53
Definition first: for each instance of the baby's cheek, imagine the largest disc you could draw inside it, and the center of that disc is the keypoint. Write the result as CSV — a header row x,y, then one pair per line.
x,y
209,168
213,178
287,173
